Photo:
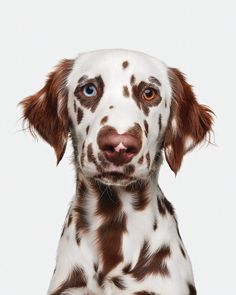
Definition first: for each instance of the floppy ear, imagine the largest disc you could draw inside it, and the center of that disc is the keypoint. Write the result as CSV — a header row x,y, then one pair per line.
x,y
46,111
189,122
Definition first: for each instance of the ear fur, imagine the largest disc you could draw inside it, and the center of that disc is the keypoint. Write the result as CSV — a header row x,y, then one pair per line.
x,y
189,122
46,111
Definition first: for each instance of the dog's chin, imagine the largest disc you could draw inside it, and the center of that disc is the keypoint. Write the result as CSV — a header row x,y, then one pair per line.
x,y
115,178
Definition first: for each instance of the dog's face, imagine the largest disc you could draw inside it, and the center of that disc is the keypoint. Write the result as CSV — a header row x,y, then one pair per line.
x,y
121,108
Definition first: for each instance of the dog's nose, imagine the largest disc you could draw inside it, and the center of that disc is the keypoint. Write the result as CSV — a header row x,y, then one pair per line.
x,y
119,148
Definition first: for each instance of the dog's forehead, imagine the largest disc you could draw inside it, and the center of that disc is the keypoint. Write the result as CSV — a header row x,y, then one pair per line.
x,y
118,65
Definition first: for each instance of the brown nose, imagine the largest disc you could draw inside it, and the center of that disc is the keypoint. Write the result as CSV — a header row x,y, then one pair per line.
x,y
118,148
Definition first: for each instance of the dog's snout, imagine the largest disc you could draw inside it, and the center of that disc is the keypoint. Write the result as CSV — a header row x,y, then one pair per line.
x,y
118,148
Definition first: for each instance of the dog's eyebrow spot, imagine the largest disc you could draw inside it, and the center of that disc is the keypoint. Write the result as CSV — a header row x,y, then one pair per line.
x,y
80,114
82,79
104,120
111,107
125,64
154,80
132,79
125,91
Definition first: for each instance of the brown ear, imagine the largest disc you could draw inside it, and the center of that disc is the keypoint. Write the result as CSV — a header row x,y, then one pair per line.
x,y
46,111
189,122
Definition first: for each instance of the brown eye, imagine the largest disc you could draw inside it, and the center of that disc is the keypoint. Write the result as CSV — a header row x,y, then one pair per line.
x,y
150,93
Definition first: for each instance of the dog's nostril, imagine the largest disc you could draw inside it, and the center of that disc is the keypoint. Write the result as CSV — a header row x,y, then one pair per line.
x,y
108,148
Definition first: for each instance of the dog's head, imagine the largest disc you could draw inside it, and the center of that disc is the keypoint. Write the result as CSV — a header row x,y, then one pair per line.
x,y
122,108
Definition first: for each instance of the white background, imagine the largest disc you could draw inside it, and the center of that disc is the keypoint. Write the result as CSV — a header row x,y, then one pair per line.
x,y
196,36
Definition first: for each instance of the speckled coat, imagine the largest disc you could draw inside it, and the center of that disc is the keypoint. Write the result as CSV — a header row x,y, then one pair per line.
x,y
122,110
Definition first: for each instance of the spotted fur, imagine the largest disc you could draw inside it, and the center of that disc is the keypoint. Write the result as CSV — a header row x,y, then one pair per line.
x,y
121,234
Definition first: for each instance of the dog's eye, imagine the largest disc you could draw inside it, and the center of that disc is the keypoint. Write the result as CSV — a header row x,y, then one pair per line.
x,y
150,93
89,90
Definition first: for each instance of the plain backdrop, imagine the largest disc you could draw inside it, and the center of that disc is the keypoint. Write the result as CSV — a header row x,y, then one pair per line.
x,y
196,36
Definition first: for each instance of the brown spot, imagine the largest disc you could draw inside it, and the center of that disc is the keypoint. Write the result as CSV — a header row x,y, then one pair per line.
x,y
192,290
132,80
74,106
140,161
169,206
127,268
125,91
118,282
125,64
150,264
100,279
182,250
87,129
95,267
165,104
155,225
114,225
81,219
103,160
80,114
129,169
92,158
104,120
161,207
148,159
111,107
90,103
76,279
146,127
82,155
111,233
160,123
141,199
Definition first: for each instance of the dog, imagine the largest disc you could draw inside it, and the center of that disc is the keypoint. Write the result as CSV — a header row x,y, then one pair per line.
x,y
123,111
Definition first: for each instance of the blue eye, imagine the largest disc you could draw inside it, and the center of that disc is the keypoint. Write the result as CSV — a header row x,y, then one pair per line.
x,y
89,90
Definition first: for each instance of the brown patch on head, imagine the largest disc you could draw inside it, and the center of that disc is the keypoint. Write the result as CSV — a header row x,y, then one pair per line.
x,y
151,264
90,102
132,80
118,282
76,279
125,64
148,160
46,111
141,199
138,96
125,91
146,127
127,268
80,114
192,290
104,120
100,279
111,107
192,121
